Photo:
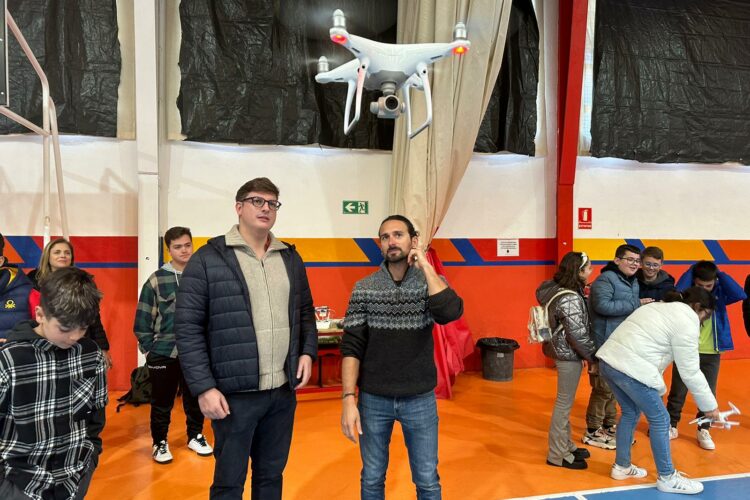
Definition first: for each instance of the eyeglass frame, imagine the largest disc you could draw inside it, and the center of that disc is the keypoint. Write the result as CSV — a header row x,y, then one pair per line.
x,y
651,265
274,205
630,260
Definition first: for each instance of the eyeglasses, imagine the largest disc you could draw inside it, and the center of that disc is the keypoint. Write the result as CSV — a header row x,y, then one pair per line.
x,y
258,202
652,265
630,260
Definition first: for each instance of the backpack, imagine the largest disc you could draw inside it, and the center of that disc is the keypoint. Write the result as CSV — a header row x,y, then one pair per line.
x,y
140,389
539,327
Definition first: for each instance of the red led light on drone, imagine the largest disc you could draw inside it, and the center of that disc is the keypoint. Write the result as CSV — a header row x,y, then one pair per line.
x,y
338,38
460,50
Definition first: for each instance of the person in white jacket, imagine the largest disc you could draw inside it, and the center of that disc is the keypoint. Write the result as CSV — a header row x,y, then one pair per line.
x,y
632,361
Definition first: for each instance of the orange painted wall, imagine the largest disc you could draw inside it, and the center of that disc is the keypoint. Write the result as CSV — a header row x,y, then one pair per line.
x,y
497,293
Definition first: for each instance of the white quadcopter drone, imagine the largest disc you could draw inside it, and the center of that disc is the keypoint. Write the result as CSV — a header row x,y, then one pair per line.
x,y
389,68
721,422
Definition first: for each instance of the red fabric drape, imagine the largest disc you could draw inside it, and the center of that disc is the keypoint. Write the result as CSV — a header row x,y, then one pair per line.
x,y
453,342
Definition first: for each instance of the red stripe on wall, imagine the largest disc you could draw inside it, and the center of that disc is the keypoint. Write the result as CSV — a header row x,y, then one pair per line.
x,y
539,249
102,248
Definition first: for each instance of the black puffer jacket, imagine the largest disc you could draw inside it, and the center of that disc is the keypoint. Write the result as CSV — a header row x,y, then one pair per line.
x,y
214,324
573,341
656,289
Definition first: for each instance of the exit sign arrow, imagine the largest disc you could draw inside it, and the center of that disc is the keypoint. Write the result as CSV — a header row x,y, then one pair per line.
x,y
355,207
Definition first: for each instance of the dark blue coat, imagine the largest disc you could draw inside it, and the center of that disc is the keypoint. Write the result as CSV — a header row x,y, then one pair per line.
x,y
14,298
214,328
727,291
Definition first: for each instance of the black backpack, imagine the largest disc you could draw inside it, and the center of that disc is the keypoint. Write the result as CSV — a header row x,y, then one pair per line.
x,y
140,389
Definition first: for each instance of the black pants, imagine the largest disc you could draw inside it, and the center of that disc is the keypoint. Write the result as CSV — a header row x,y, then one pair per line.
x,y
259,427
709,365
166,375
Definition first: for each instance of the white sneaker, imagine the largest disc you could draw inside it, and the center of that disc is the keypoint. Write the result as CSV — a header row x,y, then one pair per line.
x,y
631,472
704,440
673,433
199,445
677,483
161,453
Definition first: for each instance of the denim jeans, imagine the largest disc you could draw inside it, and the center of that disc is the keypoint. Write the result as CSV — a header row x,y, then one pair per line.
x,y
419,422
634,398
258,428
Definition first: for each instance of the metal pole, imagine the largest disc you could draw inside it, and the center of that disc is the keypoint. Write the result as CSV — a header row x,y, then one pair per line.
x,y
58,170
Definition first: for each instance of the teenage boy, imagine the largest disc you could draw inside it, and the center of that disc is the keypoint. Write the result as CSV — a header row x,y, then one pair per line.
x,y
154,328
653,281
716,337
614,295
52,382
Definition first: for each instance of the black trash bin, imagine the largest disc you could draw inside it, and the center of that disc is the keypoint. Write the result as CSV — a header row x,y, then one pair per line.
x,y
497,358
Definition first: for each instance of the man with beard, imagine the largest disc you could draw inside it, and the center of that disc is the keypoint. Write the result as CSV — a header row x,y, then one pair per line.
x,y
387,352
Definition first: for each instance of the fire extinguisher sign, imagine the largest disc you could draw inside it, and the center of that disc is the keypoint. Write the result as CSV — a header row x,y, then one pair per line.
x,y
584,218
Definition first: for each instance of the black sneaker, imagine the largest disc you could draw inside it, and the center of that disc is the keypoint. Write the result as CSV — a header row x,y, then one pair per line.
x,y
580,454
576,464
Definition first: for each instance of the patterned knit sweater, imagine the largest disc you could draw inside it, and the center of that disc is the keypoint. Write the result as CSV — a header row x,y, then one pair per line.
x,y
388,327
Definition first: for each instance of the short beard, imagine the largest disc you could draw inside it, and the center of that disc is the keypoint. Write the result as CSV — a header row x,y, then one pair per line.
x,y
396,259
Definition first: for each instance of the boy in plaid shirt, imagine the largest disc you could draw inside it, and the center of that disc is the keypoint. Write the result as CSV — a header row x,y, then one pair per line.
x,y
52,382
154,328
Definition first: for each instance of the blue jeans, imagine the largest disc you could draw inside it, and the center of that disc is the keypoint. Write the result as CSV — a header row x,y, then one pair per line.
x,y
419,422
634,398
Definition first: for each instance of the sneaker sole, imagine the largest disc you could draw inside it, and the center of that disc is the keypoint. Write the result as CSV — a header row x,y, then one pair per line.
x,y
675,490
201,454
163,462
598,444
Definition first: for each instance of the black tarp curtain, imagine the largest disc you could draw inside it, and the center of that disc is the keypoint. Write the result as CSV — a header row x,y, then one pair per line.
x,y
247,72
671,80
76,45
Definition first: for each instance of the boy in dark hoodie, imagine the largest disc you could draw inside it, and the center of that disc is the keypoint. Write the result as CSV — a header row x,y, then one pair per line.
x,y
614,295
52,382
154,328
653,281
716,337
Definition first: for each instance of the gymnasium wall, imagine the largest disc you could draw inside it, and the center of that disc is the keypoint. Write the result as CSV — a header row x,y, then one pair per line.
x,y
693,212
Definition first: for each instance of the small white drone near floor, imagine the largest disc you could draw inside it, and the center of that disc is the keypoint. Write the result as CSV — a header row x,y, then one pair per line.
x,y
721,422
386,67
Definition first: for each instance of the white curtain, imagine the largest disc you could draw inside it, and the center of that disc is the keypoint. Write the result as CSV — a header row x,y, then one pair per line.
x,y
427,170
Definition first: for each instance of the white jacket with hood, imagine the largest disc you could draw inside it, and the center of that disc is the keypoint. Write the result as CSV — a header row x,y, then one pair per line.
x,y
647,342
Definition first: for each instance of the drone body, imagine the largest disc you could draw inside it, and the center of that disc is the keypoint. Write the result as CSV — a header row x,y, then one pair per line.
x,y
721,422
390,68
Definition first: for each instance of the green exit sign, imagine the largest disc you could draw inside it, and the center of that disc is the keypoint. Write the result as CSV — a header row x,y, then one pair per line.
x,y
355,207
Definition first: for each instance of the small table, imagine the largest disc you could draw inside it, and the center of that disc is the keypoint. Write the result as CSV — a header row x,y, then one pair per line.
x,y
329,340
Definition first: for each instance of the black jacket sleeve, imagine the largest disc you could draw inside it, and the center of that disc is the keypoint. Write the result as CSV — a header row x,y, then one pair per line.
x,y
96,333
446,306
191,325
746,305
308,328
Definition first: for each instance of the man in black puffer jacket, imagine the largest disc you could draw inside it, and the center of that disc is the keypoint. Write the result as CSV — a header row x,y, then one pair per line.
x,y
246,337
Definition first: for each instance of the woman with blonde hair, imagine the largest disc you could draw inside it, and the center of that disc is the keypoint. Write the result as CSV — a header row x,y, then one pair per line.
x,y
56,255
